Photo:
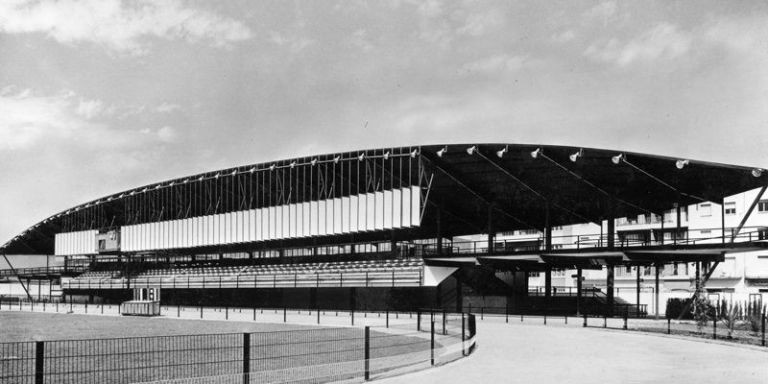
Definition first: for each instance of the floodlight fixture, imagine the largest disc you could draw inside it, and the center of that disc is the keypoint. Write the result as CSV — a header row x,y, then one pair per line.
x,y
442,151
272,167
500,153
680,164
575,156
293,164
414,153
536,153
313,162
471,150
336,159
361,157
386,155
757,172
617,159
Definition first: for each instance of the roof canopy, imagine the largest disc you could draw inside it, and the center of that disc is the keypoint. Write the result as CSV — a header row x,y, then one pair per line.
x,y
466,188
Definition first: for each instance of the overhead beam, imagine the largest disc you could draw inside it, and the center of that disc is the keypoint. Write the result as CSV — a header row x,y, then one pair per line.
x,y
474,192
660,181
525,185
17,276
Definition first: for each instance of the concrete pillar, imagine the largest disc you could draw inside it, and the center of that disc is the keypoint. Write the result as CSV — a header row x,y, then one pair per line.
x,y
491,232
656,288
609,287
459,293
677,226
578,291
439,233
548,282
637,296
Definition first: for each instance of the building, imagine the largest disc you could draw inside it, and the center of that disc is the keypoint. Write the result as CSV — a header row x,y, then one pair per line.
x,y
407,227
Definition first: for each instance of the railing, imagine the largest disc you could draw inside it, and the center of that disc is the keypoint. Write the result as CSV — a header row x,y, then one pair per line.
x,y
42,271
405,342
394,278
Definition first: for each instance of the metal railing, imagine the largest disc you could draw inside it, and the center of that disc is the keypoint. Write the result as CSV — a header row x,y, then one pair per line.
x,y
307,355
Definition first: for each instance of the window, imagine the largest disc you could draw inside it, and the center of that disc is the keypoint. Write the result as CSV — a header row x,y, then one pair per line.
x,y
762,234
730,208
705,209
762,206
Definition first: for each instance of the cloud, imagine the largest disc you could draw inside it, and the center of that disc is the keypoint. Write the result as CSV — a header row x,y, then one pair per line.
x,y
663,42
477,24
29,119
564,37
496,63
293,43
117,25
167,107
603,11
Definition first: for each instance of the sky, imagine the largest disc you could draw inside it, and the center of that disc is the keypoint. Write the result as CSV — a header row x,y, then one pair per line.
x,y
99,96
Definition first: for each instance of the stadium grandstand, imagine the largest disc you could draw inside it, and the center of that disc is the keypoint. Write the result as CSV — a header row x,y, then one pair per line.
x,y
393,228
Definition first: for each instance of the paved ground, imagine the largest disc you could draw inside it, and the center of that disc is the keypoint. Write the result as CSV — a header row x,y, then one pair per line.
x,y
527,353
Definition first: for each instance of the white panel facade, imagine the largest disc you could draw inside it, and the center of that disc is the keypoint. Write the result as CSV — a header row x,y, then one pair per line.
x,y
354,213
260,224
322,218
370,211
415,207
305,207
379,206
387,210
345,218
338,219
406,207
397,208
313,218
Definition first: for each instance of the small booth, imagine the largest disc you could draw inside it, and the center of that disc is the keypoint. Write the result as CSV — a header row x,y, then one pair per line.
x,y
146,302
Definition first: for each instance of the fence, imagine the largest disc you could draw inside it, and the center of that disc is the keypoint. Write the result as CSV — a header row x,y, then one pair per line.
x,y
403,343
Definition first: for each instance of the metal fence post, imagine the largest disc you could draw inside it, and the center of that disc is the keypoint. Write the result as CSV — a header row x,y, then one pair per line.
x,y
201,311
57,307
669,325
605,321
585,321
545,319
714,328
86,307
246,357
102,308
178,311
418,320
566,319
353,316
387,324
521,317
226,313
39,361
463,333
367,353
763,339
444,332
254,313
432,343
285,314
625,321
482,310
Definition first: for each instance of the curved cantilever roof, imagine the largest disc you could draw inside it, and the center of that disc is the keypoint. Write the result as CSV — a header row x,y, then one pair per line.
x,y
463,185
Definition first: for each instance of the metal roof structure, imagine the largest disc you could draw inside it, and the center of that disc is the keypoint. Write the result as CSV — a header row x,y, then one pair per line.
x,y
464,189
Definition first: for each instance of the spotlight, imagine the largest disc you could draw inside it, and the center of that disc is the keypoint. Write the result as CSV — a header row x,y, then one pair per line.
x,y
313,162
441,152
471,150
217,175
361,157
680,164
252,170
757,172
158,186
133,193
272,167
185,181
145,189
500,153
617,159
575,156
171,184
414,153
201,178
386,155
336,159
535,153
293,164
234,172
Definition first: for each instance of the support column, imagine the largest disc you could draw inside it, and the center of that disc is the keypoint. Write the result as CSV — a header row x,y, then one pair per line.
x,y
637,296
439,233
656,288
547,229
609,288
578,291
722,220
548,283
459,298
491,233
677,226
352,299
